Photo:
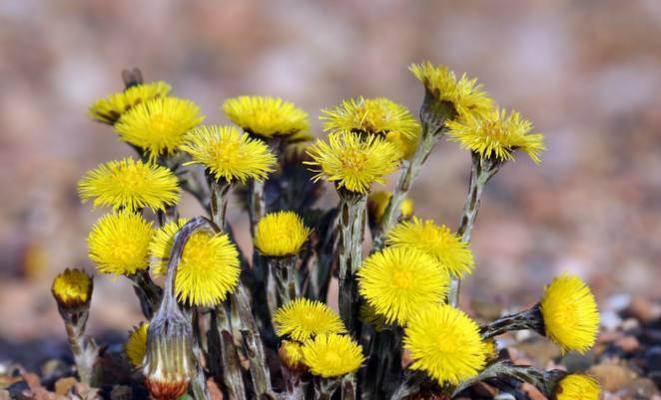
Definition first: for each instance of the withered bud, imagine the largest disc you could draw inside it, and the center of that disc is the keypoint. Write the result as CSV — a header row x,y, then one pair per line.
x,y
169,363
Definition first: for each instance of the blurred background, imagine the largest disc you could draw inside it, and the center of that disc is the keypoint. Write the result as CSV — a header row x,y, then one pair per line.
x,y
587,73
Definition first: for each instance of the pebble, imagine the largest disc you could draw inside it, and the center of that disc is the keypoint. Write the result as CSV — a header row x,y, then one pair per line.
x,y
653,359
640,388
644,310
610,320
612,375
629,344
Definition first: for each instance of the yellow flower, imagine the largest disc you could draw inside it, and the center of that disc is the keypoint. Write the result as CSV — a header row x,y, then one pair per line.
x,y
352,163
399,282
577,387
209,267
332,355
109,110
280,234
439,241
266,116
159,126
570,313
130,184
72,288
446,344
378,201
301,319
136,345
119,243
229,154
378,116
465,94
291,355
498,135
407,145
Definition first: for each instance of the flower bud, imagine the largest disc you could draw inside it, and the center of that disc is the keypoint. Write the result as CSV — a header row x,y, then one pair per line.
x,y
291,356
72,290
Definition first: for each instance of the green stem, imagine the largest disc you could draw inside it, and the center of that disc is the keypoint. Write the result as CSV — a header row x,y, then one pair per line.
x,y
352,223
410,172
481,171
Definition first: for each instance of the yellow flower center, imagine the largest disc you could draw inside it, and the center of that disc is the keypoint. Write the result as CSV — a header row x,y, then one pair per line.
x,y
402,279
332,359
197,253
354,160
161,123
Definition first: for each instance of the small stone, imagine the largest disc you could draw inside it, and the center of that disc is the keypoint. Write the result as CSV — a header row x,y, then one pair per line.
x,y
619,302
4,395
629,344
610,320
64,385
532,392
630,324
653,359
641,388
504,396
612,375
644,310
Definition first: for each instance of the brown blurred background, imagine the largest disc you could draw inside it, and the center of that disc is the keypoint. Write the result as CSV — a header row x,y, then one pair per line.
x,y
587,73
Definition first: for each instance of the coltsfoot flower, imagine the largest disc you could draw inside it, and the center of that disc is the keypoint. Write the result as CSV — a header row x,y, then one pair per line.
x,y
464,94
159,126
439,241
130,184
497,134
399,282
445,343
332,355
577,387
570,313
352,163
209,267
72,289
377,202
281,234
111,108
266,116
136,345
119,243
291,355
378,116
301,319
229,154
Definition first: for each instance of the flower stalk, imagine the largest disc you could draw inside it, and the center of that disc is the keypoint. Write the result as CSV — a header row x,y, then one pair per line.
x,y
528,319
149,294
283,272
482,170
352,224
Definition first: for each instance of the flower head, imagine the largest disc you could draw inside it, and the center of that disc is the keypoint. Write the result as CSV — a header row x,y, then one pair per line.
x,y
497,134
570,313
119,243
577,387
291,355
406,144
332,355
399,282
136,345
302,319
72,288
159,126
352,163
378,116
130,184
464,94
110,109
266,116
445,343
281,234
378,201
439,241
209,267
229,154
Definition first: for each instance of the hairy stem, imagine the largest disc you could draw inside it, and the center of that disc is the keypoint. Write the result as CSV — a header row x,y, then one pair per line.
x,y
481,171
409,173
352,225
218,205
528,319
283,272
84,349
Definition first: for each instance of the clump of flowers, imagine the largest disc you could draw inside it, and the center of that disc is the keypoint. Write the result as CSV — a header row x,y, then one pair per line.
x,y
263,324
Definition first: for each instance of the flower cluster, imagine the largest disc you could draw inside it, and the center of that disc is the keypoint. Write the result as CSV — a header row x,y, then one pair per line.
x,y
214,310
